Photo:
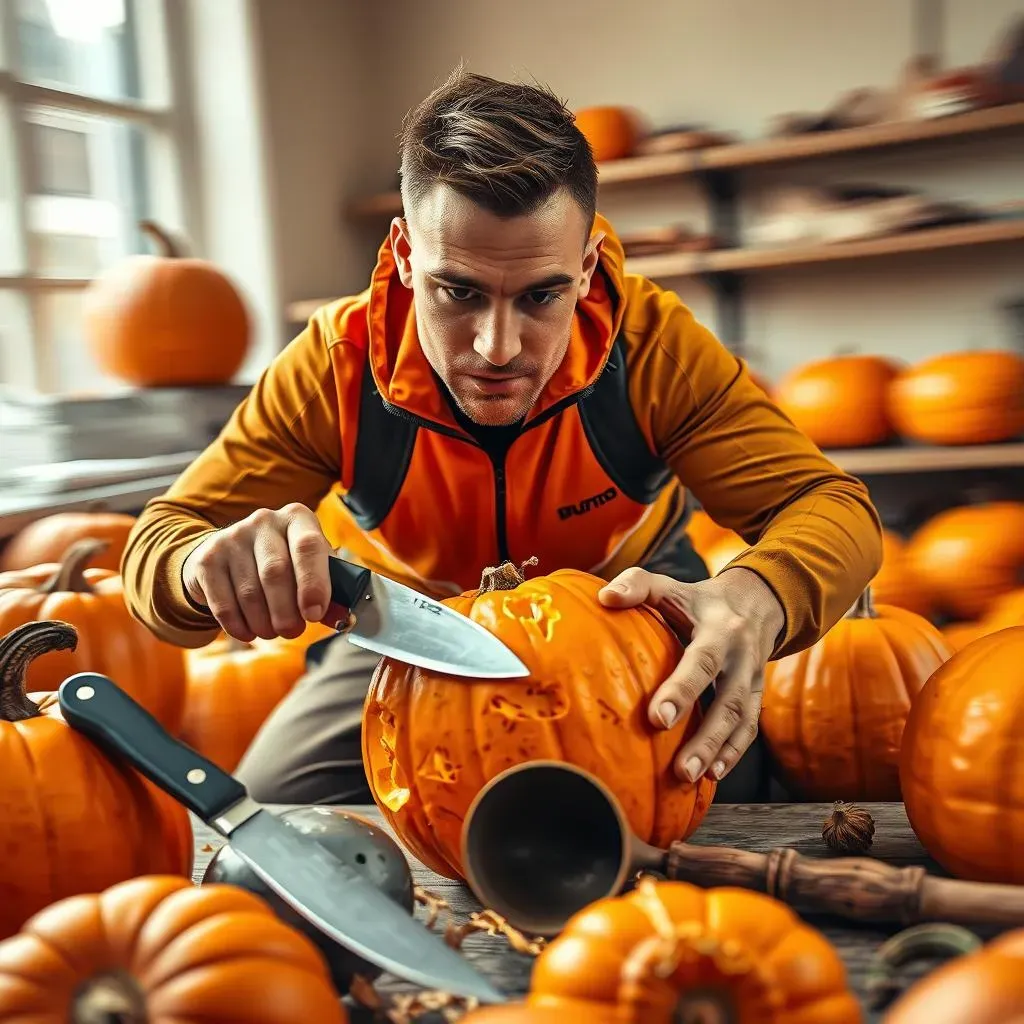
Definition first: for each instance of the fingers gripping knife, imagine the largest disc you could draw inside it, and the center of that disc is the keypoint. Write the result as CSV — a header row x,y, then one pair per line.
x,y
395,621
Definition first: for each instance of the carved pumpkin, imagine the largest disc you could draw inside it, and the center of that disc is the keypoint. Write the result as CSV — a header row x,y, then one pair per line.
x,y
961,398
963,761
969,555
157,321
231,689
840,402
48,539
110,640
431,741
833,714
356,841
671,952
613,132
72,820
896,582
983,987
158,948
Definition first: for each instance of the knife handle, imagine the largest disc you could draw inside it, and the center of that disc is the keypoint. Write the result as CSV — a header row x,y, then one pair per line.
x,y
349,583
98,708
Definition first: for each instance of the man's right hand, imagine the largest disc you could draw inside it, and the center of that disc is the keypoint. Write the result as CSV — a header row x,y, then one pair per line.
x,y
265,576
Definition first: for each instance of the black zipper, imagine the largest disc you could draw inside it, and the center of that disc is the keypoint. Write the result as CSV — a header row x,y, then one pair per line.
x,y
498,462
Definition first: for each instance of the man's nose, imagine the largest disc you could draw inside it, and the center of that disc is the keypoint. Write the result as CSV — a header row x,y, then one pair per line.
x,y
497,337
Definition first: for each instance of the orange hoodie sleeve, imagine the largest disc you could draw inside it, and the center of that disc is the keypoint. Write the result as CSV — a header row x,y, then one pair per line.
x,y
816,535
282,444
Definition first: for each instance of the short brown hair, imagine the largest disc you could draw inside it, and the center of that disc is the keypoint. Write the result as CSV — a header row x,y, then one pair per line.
x,y
507,147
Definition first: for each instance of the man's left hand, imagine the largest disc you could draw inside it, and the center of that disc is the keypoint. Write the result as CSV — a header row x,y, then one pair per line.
x,y
730,624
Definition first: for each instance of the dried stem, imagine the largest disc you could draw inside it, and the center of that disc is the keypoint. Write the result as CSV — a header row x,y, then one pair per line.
x,y
922,940
167,247
863,608
113,998
18,649
505,576
70,576
848,829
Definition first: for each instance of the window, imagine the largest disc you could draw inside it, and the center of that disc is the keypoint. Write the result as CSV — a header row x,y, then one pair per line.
x,y
89,146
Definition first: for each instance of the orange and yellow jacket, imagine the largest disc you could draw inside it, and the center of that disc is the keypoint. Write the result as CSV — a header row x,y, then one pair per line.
x,y
349,419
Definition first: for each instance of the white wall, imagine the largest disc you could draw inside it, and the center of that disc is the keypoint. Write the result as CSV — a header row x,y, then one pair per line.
x,y
340,75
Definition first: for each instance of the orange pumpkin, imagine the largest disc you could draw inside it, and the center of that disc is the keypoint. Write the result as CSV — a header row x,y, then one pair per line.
x,y
961,398
896,582
722,552
158,948
983,987
962,762
833,714
72,820
670,951
705,533
431,741
840,402
1005,611
110,640
960,634
157,321
613,132
232,687
969,555
47,539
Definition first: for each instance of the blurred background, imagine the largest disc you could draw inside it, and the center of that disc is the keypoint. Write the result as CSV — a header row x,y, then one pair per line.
x,y
836,189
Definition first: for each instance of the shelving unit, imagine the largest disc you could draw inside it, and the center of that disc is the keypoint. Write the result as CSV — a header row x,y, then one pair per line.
x,y
718,168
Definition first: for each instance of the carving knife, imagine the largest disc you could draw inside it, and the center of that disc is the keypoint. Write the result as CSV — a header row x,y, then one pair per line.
x,y
332,895
391,619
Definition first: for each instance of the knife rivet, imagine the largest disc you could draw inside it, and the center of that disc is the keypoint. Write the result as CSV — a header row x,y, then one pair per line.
x,y
196,776
85,693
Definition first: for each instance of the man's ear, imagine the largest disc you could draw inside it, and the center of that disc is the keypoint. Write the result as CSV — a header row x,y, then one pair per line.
x,y
591,256
401,247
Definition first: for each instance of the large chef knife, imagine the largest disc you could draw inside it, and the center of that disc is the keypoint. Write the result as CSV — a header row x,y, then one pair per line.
x,y
324,890
396,621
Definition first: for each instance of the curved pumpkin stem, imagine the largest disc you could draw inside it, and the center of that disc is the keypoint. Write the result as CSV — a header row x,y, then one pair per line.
x,y
505,576
864,608
923,940
70,577
113,998
168,248
18,649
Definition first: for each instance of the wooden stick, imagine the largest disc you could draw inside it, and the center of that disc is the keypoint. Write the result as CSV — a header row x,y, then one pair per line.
x,y
859,888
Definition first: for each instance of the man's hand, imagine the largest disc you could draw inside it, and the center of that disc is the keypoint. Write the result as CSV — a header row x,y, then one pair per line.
x,y
730,624
264,576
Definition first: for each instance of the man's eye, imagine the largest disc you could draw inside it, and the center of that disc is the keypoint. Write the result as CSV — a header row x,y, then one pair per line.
x,y
543,298
459,294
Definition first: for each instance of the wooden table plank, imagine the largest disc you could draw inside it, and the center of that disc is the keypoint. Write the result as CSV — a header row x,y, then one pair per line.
x,y
757,827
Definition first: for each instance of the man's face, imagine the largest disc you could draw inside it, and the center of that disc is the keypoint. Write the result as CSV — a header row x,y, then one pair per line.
x,y
494,296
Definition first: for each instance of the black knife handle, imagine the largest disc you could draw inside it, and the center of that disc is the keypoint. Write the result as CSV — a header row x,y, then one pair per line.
x,y
348,585
98,708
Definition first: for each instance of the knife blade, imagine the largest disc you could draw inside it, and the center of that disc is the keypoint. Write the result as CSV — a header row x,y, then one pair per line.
x,y
323,889
396,621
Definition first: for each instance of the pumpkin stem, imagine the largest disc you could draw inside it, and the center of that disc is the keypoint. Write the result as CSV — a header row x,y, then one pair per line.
x,y
70,577
505,576
113,998
863,608
923,940
168,248
18,649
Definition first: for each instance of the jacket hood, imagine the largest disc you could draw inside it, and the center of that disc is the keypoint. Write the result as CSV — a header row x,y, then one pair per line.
x,y
406,380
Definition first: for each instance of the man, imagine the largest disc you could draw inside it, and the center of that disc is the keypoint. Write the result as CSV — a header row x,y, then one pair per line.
x,y
503,389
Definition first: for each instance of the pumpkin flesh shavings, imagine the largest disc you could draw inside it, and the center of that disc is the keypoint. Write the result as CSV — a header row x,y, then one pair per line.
x,y
408,1008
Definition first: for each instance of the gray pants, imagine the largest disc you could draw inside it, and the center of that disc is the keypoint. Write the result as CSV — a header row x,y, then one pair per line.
x,y
309,748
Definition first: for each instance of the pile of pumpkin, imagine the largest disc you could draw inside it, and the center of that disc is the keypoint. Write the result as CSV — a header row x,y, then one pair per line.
x,y
862,401
99,921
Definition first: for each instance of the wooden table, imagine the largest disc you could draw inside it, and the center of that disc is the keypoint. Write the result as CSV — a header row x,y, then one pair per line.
x,y
758,827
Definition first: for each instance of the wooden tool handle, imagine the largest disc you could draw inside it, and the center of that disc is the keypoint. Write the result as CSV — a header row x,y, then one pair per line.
x,y
859,888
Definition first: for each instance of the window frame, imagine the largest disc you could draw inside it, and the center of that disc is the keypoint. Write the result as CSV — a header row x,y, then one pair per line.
x,y
161,52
